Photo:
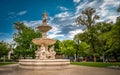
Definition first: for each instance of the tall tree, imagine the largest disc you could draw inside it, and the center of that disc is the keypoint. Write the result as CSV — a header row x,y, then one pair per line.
x,y
114,40
103,31
23,39
88,18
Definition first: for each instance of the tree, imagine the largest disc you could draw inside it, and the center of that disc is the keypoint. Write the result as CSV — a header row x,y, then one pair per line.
x,y
114,40
88,18
23,39
57,47
83,49
103,32
68,48
4,49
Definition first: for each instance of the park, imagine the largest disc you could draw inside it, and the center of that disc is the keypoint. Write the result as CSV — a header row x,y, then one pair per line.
x,y
94,51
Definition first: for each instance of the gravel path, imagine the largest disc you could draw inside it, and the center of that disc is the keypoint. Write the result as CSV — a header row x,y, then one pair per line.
x,y
74,70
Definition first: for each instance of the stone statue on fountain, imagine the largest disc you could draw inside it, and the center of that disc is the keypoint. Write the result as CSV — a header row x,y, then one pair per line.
x,y
52,52
43,53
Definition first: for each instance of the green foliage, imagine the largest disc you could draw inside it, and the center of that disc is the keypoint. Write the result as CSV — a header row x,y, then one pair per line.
x,y
114,40
23,38
4,48
102,32
68,47
83,49
57,47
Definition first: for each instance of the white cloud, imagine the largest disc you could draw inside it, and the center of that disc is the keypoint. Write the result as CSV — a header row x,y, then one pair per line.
x,y
6,37
112,18
74,32
85,4
93,3
80,7
111,2
104,8
54,32
32,23
76,1
62,15
8,40
14,14
22,13
63,8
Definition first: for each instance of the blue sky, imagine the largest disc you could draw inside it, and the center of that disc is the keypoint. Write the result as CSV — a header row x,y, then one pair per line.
x,y
62,15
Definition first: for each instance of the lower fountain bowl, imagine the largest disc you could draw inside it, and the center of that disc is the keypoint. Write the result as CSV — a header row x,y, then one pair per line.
x,y
44,64
46,41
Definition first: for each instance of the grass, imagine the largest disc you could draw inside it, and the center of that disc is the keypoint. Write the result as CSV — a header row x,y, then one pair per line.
x,y
6,63
96,64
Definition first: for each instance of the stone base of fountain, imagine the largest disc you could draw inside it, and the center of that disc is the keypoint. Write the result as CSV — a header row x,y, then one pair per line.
x,y
44,64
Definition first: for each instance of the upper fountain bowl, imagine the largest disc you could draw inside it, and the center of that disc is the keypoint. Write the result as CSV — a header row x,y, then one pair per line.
x,y
44,28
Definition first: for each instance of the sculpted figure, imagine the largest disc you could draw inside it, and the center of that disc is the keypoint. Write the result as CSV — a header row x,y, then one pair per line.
x,y
37,53
44,18
52,52
42,52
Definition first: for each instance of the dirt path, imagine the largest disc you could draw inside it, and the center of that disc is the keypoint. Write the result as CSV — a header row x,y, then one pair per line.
x,y
74,70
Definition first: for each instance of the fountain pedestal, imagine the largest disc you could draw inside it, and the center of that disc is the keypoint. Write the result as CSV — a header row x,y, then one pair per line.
x,y
44,64
45,57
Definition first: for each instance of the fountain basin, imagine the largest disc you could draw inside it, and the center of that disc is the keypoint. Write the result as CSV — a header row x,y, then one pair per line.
x,y
44,28
44,64
47,41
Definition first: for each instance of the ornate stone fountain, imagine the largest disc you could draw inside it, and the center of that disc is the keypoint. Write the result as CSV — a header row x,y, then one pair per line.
x,y
45,57
43,52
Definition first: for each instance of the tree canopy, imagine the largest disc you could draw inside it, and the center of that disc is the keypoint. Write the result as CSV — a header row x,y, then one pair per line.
x,y
23,39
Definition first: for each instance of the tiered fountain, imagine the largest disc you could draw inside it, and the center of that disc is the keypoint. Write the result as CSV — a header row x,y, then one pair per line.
x,y
45,58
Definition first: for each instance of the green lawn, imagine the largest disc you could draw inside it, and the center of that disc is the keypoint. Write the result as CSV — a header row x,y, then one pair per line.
x,y
96,64
6,63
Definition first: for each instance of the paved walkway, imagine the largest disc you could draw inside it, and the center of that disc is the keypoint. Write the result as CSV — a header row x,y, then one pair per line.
x,y
74,70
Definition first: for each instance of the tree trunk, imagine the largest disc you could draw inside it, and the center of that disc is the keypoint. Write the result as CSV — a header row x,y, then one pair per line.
x,y
94,57
85,59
